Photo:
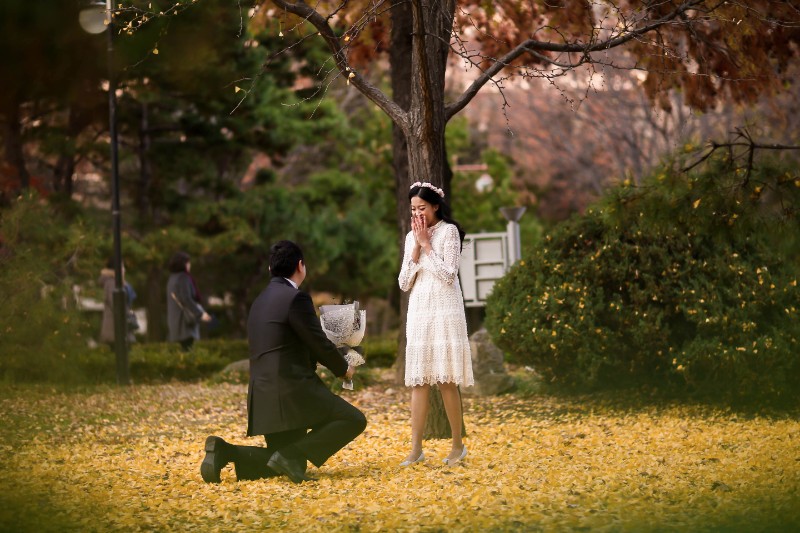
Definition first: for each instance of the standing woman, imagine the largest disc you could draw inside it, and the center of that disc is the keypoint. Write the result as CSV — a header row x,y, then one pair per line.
x,y
437,345
184,311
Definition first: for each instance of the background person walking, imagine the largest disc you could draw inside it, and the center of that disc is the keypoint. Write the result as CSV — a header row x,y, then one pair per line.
x,y
184,310
107,280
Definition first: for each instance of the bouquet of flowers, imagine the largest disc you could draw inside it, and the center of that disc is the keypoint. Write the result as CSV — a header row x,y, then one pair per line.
x,y
344,326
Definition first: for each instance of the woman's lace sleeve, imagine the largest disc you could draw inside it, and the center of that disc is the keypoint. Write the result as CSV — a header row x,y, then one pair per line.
x,y
409,269
445,267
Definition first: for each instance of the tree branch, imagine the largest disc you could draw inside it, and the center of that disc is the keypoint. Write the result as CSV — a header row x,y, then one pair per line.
x,y
304,11
746,142
532,46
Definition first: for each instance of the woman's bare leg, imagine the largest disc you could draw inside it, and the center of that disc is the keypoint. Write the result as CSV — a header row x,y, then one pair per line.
x,y
452,406
419,410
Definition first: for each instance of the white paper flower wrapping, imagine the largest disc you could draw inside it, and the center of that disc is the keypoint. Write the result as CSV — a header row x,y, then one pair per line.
x,y
353,358
344,325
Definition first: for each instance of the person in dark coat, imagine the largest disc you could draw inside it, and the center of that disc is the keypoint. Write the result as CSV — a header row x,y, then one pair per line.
x,y
286,397
184,311
108,282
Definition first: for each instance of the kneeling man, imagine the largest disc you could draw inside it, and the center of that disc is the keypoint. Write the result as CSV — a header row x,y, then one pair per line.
x,y
287,402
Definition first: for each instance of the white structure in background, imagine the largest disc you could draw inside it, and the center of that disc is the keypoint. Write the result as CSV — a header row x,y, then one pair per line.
x,y
513,214
484,183
487,257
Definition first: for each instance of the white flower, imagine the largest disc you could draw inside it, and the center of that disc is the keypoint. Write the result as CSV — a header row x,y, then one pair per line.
x,y
427,185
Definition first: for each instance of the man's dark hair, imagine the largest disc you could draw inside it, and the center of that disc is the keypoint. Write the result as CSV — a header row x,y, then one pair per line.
x,y
178,262
283,258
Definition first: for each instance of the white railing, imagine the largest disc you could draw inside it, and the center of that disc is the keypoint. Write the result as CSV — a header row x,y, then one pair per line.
x,y
486,257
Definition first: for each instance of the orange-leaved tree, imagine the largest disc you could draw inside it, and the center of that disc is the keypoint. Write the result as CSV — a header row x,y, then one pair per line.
x,y
712,50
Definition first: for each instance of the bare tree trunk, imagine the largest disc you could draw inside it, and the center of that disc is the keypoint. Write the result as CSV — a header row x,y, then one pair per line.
x,y
419,151
65,166
399,54
437,426
418,84
418,88
426,117
156,305
14,154
145,169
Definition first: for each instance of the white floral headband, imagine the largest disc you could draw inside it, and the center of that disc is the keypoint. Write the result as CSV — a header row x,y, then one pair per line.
x,y
427,185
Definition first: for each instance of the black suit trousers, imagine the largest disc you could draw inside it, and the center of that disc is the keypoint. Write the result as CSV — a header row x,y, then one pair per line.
x,y
344,423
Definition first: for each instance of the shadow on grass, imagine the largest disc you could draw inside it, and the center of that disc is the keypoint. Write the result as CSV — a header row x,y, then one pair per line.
x,y
23,510
630,400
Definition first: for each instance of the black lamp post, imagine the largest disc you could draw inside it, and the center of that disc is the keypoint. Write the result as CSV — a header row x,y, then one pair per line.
x,y
96,18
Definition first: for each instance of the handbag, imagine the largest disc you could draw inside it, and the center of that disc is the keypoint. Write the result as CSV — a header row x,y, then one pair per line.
x,y
132,321
188,318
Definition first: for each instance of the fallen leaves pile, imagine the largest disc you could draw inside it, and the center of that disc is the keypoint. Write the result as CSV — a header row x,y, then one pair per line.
x,y
127,459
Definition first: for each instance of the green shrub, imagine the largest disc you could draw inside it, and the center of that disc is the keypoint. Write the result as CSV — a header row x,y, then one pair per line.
x,y
159,362
43,253
380,352
154,362
162,361
687,281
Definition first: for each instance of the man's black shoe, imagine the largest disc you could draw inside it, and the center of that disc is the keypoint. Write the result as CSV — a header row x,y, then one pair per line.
x,y
218,454
295,469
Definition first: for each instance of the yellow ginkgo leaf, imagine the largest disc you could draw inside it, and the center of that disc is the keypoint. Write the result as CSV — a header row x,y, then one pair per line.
x,y
559,463
237,89
696,203
155,51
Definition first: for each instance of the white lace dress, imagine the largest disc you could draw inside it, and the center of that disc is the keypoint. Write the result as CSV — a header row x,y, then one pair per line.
x,y
437,345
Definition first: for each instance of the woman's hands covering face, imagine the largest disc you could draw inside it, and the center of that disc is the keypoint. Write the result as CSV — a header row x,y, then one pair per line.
x,y
422,233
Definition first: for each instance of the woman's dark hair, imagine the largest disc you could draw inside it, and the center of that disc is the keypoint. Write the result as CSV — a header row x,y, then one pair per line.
x,y
283,258
178,262
443,213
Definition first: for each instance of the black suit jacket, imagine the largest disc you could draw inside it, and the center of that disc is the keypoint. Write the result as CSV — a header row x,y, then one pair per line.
x,y
286,342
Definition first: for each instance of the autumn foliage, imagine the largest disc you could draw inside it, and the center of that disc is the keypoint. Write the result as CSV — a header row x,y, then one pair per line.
x,y
689,281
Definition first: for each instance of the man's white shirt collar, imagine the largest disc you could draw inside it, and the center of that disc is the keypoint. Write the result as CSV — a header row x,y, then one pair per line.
x,y
292,282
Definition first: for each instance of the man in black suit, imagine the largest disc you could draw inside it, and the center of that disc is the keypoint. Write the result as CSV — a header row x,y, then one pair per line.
x,y
286,397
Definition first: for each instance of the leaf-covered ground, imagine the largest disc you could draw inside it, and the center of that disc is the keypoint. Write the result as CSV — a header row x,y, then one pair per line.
x,y
128,459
